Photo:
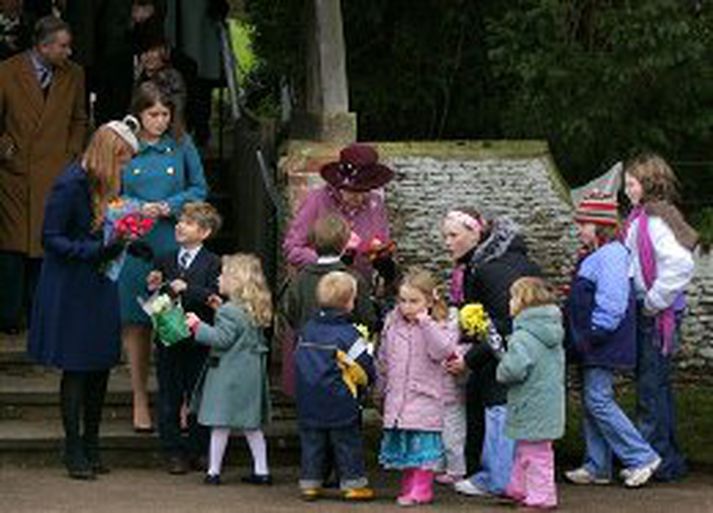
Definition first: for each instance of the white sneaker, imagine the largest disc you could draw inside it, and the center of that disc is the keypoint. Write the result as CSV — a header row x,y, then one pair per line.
x,y
582,476
640,476
466,487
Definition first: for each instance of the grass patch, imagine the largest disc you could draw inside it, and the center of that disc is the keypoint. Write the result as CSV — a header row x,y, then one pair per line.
x,y
695,423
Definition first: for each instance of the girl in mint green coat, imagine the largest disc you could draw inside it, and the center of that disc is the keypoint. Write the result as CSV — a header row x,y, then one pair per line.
x,y
533,369
234,391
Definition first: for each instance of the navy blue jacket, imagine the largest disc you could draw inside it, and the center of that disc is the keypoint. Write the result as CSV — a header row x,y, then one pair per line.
x,y
601,310
75,318
323,399
201,279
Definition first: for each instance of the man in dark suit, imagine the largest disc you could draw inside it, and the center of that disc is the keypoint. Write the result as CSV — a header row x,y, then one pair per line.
x,y
191,273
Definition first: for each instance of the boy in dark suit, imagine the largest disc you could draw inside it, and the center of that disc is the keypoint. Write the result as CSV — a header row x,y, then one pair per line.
x,y
191,273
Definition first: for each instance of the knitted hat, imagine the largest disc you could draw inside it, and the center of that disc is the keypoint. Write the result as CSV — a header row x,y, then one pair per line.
x,y
598,208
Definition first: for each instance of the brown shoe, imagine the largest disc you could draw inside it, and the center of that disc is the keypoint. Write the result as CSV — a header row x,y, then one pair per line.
x,y
177,465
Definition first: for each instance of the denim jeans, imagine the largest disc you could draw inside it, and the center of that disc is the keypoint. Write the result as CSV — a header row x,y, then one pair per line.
x,y
655,407
498,453
346,444
607,429
177,369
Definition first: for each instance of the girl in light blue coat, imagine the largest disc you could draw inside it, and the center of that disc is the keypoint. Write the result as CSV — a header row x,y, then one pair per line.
x,y
165,174
533,370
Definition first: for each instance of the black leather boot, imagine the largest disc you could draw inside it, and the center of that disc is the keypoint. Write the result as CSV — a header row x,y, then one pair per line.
x,y
94,394
71,398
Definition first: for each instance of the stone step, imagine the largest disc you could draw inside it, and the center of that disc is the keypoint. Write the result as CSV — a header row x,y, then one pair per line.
x,y
33,443
36,397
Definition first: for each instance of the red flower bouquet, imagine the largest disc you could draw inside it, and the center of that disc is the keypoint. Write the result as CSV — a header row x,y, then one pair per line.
x,y
124,223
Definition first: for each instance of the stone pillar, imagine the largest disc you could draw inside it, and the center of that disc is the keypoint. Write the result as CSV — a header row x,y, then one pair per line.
x,y
326,115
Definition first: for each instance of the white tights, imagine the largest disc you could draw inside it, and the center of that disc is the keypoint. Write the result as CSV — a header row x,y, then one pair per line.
x,y
219,441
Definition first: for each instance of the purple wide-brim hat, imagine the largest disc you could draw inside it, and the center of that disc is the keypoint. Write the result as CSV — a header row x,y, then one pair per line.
x,y
357,169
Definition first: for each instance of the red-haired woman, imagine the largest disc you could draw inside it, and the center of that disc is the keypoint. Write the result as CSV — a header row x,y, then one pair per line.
x,y
76,325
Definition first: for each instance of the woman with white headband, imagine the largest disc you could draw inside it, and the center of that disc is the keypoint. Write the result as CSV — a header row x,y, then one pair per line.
x,y
489,255
76,326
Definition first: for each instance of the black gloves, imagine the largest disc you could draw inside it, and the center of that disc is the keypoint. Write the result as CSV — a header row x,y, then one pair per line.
x,y
386,267
139,249
348,257
110,252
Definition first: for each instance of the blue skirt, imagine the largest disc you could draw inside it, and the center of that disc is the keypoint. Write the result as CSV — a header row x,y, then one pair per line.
x,y
403,448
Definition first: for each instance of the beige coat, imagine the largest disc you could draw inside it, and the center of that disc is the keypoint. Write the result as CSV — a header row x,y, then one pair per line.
x,y
38,137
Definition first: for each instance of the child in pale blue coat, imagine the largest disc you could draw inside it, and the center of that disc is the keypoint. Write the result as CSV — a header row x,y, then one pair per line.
x,y
533,369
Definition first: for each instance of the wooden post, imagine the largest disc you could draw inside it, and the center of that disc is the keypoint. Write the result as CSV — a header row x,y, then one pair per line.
x,y
326,115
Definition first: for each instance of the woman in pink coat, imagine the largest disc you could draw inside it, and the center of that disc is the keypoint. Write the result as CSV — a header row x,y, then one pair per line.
x,y
415,342
350,192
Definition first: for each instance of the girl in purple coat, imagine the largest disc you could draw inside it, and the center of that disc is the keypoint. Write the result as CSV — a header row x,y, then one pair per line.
x,y
415,342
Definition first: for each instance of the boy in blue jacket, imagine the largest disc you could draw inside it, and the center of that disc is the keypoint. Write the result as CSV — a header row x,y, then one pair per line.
x,y
601,325
332,362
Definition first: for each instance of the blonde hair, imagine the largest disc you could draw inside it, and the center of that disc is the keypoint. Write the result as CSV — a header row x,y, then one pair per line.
x,y
336,289
529,292
329,235
204,214
657,179
102,163
423,281
247,286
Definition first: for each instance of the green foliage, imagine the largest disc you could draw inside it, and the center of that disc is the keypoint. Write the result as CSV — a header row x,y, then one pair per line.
x,y
599,78
703,221
593,78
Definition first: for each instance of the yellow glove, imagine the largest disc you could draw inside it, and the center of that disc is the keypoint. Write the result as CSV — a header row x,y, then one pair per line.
x,y
352,373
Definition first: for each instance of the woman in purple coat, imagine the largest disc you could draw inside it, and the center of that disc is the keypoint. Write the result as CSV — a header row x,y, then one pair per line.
x,y
350,192
76,325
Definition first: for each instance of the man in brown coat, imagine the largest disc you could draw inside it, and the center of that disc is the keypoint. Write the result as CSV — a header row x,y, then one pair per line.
x,y
43,124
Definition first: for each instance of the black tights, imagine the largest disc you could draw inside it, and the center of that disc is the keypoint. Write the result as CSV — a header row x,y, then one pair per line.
x,y
82,397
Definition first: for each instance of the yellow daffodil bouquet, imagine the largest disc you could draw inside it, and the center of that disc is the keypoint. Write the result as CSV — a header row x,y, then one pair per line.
x,y
474,321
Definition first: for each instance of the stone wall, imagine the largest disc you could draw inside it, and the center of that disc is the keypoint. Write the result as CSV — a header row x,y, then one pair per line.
x,y
697,347
514,178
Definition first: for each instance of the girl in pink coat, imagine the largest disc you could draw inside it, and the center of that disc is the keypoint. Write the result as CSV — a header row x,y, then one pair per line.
x,y
415,342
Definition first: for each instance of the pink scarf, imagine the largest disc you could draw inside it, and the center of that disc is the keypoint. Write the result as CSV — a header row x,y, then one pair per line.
x,y
457,282
666,319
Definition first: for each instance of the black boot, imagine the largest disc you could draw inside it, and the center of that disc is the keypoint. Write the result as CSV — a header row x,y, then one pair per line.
x,y
94,394
72,392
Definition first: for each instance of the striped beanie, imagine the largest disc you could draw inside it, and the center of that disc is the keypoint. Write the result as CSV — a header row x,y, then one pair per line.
x,y
598,208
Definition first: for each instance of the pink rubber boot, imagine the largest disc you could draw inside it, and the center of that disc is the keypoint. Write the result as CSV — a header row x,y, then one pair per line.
x,y
406,484
422,489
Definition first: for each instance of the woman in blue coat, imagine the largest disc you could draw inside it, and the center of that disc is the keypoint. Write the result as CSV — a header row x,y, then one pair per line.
x,y
165,174
76,325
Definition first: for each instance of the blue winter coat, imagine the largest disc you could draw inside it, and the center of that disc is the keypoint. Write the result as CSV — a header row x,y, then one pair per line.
x,y
75,319
601,310
323,399
167,171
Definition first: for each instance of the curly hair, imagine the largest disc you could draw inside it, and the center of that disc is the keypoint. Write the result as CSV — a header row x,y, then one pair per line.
x,y
247,286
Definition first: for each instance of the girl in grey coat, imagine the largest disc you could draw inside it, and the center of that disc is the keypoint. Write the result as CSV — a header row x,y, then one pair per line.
x,y
234,392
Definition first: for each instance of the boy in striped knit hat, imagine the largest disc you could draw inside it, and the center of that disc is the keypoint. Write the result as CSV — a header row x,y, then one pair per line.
x,y
601,326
